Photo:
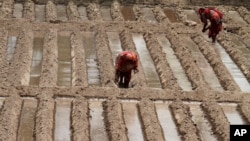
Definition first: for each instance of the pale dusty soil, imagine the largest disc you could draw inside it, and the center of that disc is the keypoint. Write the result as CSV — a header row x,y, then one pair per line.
x,y
14,76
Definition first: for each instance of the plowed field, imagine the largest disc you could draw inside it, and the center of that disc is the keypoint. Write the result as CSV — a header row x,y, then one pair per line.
x,y
57,71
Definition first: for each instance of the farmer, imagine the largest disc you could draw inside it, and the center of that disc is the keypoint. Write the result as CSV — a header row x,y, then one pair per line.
x,y
215,18
126,61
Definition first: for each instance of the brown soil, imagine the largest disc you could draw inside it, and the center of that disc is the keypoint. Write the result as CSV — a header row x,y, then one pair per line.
x,y
14,75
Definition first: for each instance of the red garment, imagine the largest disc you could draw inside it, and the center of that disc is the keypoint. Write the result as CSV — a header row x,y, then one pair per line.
x,y
126,61
207,10
215,17
215,26
123,59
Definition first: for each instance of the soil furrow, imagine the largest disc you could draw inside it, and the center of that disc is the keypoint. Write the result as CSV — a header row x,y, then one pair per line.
x,y
244,34
45,117
217,118
160,15
132,26
135,93
50,59
104,56
138,13
3,56
163,2
150,124
6,8
237,56
50,12
29,10
226,19
64,49
3,43
9,117
72,12
165,73
244,13
93,12
127,13
114,122
182,52
244,109
116,11
80,120
187,61
27,119
19,73
214,60
79,72
128,44
183,120
64,43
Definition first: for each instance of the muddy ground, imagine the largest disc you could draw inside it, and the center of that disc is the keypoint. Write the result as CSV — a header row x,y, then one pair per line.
x,y
15,73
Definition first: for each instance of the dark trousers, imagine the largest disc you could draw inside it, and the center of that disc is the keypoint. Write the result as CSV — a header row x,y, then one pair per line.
x,y
214,29
123,79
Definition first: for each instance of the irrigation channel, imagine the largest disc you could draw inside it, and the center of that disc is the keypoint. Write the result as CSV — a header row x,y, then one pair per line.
x,y
57,72
131,116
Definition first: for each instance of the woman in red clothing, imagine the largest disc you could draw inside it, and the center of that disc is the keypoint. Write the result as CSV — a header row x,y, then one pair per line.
x,y
215,18
126,61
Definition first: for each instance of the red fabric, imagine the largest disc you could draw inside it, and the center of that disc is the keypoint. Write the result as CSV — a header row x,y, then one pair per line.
x,y
216,25
201,10
126,61
123,58
207,10
215,17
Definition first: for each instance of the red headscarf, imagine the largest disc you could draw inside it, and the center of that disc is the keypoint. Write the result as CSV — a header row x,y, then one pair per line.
x,y
123,58
201,10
